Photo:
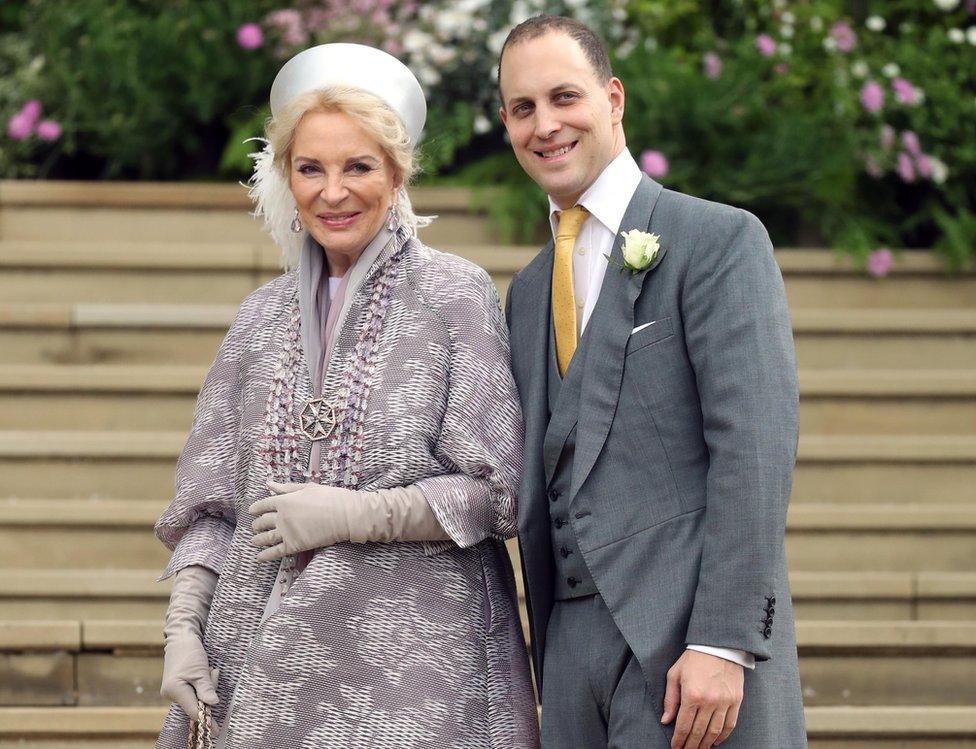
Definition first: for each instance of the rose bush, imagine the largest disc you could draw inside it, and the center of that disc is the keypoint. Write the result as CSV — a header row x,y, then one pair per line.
x,y
848,129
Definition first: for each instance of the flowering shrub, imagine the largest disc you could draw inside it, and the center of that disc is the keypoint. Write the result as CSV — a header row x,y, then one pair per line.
x,y
853,130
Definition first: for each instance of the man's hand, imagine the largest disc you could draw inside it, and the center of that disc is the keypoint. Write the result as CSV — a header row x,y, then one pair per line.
x,y
705,693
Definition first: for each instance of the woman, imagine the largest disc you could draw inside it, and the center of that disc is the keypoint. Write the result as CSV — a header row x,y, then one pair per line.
x,y
352,466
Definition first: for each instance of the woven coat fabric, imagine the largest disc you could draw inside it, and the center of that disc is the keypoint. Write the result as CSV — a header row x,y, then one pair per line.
x,y
374,645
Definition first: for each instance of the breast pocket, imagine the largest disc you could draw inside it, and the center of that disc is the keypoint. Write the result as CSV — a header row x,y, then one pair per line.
x,y
648,334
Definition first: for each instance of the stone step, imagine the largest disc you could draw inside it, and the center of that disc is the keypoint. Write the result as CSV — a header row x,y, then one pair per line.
x,y
140,465
138,212
170,273
117,534
929,727
891,727
887,663
119,662
48,396
224,272
78,593
182,333
46,594
860,596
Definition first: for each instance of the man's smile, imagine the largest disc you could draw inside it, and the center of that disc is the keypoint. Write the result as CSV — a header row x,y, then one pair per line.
x,y
556,153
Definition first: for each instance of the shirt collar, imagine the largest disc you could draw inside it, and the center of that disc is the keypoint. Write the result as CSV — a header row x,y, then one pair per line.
x,y
609,195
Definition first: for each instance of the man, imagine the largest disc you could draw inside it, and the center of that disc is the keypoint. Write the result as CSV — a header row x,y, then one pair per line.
x,y
660,405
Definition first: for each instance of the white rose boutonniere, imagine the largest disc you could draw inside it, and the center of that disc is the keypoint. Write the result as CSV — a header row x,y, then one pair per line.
x,y
639,250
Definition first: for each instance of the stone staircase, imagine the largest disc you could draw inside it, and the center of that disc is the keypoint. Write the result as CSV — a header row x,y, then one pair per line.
x,y
113,299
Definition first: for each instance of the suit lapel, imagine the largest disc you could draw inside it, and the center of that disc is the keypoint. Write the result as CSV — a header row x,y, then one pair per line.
x,y
609,329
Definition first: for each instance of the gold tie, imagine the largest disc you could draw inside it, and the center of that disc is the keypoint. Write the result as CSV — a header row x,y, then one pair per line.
x,y
563,299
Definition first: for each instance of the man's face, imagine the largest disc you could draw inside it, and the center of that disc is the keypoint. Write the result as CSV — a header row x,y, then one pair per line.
x,y
563,123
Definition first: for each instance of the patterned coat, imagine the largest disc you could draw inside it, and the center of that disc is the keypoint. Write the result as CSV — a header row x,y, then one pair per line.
x,y
374,645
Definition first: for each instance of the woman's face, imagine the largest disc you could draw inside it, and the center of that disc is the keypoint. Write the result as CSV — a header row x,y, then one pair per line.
x,y
343,184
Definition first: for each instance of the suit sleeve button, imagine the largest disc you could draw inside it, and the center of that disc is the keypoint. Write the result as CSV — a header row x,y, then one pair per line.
x,y
559,522
572,582
767,632
553,495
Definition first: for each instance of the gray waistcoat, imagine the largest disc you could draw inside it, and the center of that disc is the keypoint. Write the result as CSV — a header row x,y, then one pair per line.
x,y
572,579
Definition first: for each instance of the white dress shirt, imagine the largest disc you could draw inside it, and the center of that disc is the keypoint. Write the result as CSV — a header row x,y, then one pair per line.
x,y
606,200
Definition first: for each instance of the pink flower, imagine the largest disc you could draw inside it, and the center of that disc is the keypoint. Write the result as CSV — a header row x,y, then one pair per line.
x,y
250,36
654,164
765,45
712,64
905,167
19,127
31,111
880,262
887,137
872,96
905,92
923,164
910,141
293,32
844,35
872,167
48,130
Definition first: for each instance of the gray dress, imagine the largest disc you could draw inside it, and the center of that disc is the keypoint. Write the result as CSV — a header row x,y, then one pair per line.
x,y
371,645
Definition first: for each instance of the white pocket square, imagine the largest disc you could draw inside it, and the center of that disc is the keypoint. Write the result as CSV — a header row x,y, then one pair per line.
x,y
641,327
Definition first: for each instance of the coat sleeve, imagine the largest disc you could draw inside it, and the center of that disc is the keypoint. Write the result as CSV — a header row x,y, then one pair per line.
x,y
199,523
481,435
740,342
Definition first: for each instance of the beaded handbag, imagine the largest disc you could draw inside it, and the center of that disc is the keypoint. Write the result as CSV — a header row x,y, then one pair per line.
x,y
200,735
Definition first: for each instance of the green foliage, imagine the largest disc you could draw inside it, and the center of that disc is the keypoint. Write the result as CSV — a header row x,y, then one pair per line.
x,y
144,89
155,90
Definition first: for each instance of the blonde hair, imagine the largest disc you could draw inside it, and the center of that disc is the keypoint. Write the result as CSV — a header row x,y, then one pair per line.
x,y
373,115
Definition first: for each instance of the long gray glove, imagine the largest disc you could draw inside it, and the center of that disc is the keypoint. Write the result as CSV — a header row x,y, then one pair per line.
x,y
299,517
186,671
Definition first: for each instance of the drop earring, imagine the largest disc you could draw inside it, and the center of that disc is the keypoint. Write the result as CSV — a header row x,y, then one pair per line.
x,y
296,223
393,222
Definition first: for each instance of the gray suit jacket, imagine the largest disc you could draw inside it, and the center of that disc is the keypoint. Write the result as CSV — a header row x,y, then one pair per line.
x,y
686,441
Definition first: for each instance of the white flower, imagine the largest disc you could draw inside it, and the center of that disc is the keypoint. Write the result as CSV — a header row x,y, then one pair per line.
x,y
786,32
859,69
956,35
497,40
940,172
891,70
785,49
875,23
947,5
971,35
624,49
639,249
481,124
788,18
829,43
816,23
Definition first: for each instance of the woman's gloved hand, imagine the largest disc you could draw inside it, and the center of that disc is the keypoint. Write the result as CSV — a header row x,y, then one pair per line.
x,y
187,675
299,517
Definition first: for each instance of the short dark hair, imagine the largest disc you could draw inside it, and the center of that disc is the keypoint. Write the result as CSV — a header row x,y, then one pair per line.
x,y
589,42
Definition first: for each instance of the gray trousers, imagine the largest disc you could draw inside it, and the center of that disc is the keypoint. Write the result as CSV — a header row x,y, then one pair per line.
x,y
594,695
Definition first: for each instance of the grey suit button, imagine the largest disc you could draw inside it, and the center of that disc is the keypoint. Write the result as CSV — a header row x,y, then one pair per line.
x,y
771,600
553,495
768,622
564,552
767,632
572,582
770,611
559,522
